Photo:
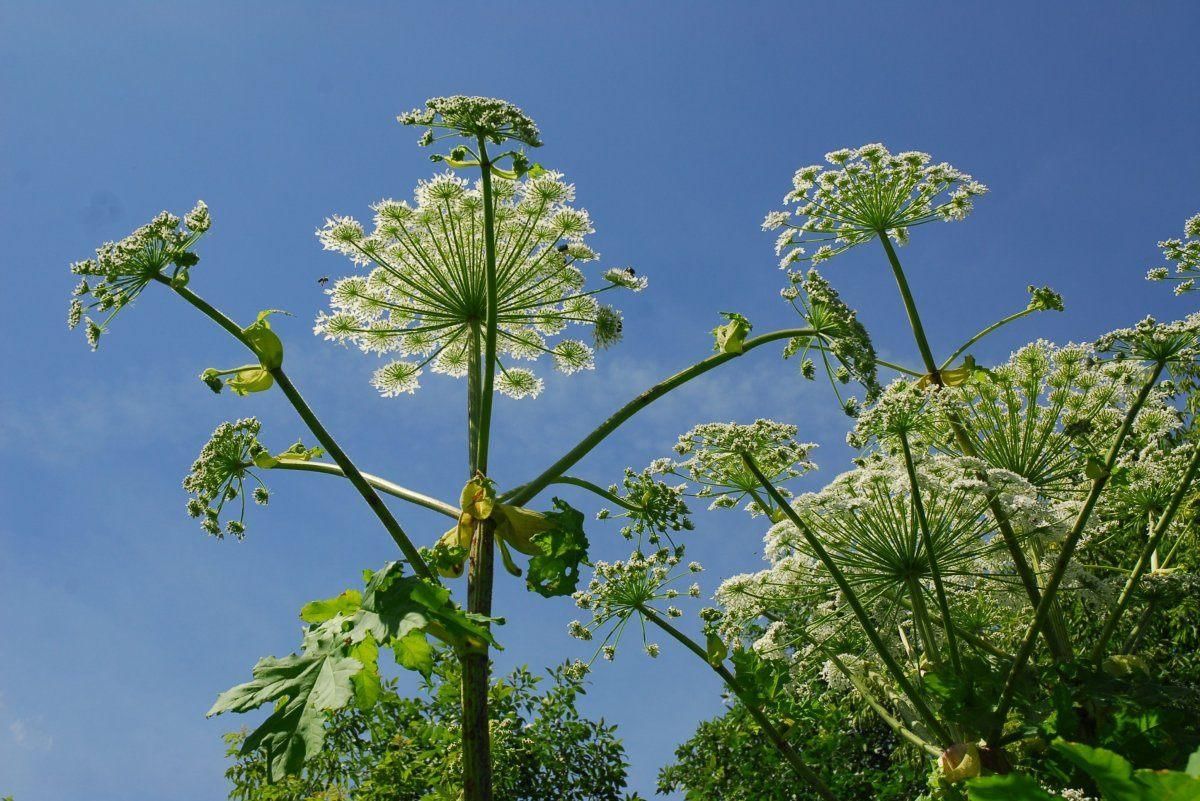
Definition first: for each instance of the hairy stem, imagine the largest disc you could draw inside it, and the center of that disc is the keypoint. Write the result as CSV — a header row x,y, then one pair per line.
x,y
318,430
476,734
807,774
490,333
910,307
524,493
868,626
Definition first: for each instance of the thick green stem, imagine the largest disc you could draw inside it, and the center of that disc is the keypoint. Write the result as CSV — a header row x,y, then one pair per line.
x,y
910,306
323,437
381,484
1025,650
524,493
473,399
868,626
352,473
476,734
489,341
807,774
1144,558
927,541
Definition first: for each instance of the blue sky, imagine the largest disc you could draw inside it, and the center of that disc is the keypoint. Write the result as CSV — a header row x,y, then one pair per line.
x,y
680,123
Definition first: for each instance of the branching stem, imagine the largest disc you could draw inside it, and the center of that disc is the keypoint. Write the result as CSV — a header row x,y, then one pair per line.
x,y
318,430
526,492
1025,650
868,626
381,484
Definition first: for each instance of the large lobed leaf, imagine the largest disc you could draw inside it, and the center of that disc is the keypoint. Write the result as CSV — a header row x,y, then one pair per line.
x,y
305,686
555,570
339,663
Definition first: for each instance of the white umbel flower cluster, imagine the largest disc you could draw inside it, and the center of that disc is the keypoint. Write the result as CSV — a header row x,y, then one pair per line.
x,y
425,296
1184,254
866,192
623,590
713,460
121,270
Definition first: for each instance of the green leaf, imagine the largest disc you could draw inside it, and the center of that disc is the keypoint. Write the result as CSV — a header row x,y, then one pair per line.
x,y
1095,468
319,611
1193,765
367,683
251,378
1112,774
1166,785
731,337
414,652
717,650
265,342
395,605
304,687
1010,787
555,571
1119,782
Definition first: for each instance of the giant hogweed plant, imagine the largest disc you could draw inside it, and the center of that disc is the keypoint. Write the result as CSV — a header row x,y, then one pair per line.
x,y
486,269
960,580
995,571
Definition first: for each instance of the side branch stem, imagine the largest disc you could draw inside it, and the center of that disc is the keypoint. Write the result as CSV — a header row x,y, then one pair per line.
x,y
318,430
1025,650
868,627
773,734
524,493
381,484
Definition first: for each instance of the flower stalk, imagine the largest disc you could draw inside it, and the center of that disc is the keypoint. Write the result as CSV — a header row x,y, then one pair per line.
x,y
1055,630
349,469
899,675
1025,650
927,542
1146,557
806,773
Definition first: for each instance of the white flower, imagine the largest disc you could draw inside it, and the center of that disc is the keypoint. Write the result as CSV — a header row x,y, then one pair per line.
x,y
396,378
1184,254
868,192
425,294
